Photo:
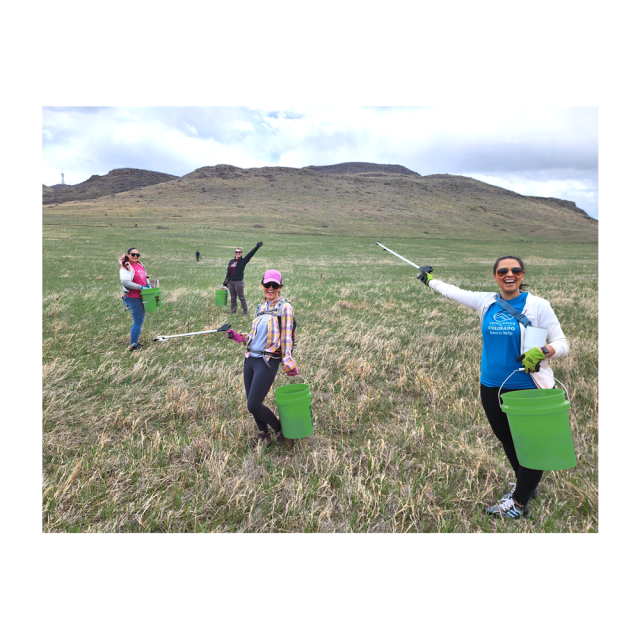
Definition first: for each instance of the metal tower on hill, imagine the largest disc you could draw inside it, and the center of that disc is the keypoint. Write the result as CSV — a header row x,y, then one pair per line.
x,y
62,174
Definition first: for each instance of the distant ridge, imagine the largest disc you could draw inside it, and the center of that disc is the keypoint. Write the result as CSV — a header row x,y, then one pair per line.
x,y
363,167
116,181
308,201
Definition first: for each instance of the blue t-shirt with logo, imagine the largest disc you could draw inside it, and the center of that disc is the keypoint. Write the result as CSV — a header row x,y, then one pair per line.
x,y
501,347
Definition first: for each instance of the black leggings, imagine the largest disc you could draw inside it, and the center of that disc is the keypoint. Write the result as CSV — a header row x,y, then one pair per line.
x,y
526,479
258,379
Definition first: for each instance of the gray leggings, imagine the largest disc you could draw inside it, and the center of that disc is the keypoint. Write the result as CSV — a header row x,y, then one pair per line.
x,y
258,379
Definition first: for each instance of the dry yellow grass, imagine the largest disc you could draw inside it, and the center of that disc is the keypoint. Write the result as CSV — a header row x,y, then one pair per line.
x,y
157,440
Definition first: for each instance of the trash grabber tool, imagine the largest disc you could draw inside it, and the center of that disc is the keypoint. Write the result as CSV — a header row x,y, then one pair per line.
x,y
224,327
425,269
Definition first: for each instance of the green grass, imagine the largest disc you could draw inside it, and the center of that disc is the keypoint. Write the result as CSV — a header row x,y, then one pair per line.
x,y
157,440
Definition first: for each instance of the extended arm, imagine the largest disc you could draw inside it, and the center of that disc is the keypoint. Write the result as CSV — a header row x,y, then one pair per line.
x,y
471,299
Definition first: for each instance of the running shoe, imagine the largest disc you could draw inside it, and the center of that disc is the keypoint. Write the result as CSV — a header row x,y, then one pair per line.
x,y
507,508
534,496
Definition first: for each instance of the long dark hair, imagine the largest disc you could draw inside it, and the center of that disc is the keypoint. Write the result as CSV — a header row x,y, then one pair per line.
x,y
523,286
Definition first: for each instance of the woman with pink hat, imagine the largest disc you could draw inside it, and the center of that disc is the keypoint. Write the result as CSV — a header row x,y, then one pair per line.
x,y
269,343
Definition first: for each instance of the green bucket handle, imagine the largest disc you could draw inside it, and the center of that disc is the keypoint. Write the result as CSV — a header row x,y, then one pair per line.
x,y
522,369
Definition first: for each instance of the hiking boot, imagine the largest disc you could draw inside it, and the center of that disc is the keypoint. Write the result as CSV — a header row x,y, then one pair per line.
x,y
287,442
133,347
534,496
261,441
508,509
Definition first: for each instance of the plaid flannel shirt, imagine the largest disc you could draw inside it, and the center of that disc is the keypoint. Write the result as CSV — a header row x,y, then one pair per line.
x,y
274,339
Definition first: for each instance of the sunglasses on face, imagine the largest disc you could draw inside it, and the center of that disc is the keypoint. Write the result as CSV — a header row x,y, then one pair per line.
x,y
270,285
134,255
238,252
516,271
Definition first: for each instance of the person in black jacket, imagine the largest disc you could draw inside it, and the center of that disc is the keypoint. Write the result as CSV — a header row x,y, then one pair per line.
x,y
234,279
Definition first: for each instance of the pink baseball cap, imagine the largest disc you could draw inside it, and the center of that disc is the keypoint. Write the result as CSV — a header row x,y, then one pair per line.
x,y
272,276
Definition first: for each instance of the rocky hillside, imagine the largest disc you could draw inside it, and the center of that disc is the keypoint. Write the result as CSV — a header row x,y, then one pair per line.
x,y
345,168
307,201
116,181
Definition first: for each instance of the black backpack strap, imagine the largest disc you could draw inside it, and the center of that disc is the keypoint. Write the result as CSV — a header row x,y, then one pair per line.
x,y
509,308
279,312
279,307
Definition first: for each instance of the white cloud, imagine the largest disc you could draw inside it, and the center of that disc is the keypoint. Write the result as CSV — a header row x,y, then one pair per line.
x,y
582,192
243,126
541,150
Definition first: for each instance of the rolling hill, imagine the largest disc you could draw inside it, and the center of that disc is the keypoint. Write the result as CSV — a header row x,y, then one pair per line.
x,y
345,168
356,199
116,181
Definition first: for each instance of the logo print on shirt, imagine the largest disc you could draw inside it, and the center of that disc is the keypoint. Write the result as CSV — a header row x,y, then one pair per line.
x,y
502,317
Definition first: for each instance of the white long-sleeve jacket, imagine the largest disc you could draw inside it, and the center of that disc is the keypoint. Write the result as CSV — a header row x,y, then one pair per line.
x,y
538,310
126,279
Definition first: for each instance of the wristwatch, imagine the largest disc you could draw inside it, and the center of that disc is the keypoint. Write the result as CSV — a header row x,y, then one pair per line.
x,y
545,351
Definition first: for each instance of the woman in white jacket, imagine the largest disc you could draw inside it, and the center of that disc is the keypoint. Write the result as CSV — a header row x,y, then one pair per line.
x,y
502,351
133,277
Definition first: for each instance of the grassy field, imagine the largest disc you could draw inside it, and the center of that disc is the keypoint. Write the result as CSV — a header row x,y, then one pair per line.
x,y
157,440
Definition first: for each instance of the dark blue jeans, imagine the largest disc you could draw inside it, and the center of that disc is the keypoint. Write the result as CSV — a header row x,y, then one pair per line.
x,y
137,311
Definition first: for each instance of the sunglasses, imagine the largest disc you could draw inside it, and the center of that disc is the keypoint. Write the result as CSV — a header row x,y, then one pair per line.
x,y
237,251
135,255
516,271
270,285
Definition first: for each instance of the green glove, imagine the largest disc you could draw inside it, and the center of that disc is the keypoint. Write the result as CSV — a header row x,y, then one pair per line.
x,y
531,359
425,276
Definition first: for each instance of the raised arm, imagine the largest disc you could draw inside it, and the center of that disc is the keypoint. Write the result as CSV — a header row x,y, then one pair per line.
x,y
252,252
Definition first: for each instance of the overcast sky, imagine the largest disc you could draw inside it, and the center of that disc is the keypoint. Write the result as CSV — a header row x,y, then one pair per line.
x,y
542,151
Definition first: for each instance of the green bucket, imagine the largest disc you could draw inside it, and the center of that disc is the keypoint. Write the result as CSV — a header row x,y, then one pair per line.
x,y
151,299
294,407
539,423
221,297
